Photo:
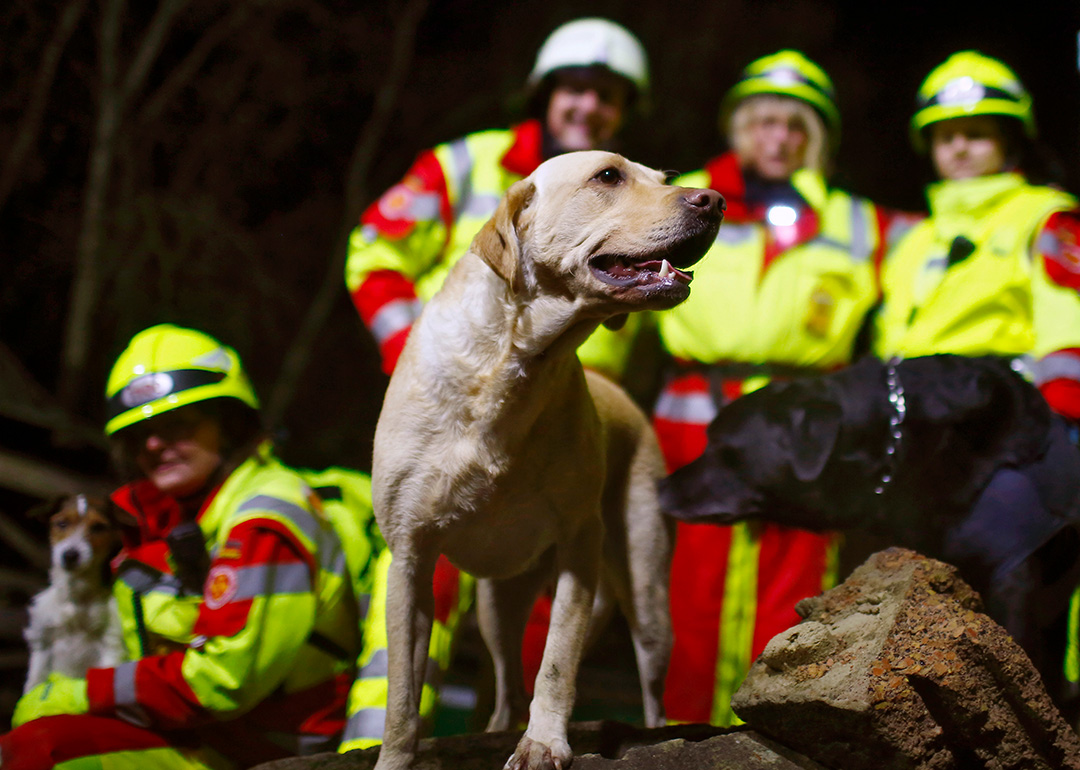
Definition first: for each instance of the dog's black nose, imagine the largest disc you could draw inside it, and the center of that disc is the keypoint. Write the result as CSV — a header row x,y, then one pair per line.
x,y
69,558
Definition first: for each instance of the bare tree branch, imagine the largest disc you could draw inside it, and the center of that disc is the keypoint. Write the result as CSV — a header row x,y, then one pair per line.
x,y
364,153
11,578
182,73
148,52
30,120
23,398
28,546
40,479
87,254
12,622
113,98
14,660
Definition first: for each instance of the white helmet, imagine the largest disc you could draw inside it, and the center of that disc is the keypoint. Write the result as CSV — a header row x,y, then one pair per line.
x,y
589,42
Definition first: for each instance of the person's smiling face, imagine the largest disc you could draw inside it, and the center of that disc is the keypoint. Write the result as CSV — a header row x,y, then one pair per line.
x,y
177,451
586,107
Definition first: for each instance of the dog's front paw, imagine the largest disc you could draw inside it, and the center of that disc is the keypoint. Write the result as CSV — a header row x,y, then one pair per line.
x,y
534,755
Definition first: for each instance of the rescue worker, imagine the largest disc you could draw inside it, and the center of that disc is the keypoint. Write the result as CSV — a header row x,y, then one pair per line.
x,y
994,270
783,292
589,76
232,586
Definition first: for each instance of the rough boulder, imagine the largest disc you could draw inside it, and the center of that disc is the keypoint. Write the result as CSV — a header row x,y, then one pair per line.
x,y
899,668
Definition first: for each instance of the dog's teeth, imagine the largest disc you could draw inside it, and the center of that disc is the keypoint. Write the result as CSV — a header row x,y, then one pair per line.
x,y
665,269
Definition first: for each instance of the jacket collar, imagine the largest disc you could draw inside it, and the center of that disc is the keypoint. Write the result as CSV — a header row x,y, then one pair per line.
x,y
971,196
527,150
727,178
155,513
805,199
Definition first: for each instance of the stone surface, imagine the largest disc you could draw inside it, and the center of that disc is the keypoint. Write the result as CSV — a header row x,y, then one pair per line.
x,y
598,746
898,668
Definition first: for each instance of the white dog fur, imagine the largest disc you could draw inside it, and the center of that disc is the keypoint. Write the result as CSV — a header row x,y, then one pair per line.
x,y
74,624
495,448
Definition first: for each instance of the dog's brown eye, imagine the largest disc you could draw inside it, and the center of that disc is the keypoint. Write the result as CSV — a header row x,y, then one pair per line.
x,y
609,176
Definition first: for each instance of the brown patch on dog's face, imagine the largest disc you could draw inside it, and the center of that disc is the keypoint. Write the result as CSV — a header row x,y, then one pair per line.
x,y
615,232
88,519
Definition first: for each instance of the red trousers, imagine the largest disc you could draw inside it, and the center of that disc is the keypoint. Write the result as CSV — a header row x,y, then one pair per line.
x,y
732,588
52,741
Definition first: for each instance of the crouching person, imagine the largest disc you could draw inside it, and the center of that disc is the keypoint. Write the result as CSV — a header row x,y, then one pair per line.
x,y
233,587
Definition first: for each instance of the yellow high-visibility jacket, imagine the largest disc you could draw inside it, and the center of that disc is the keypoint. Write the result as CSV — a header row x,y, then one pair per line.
x,y
408,240
271,640
793,294
992,296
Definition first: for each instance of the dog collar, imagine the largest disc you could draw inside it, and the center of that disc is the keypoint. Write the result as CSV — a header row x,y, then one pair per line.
x,y
896,422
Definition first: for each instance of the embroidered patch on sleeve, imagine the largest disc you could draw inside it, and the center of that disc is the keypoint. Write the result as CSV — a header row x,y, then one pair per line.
x,y
221,586
1059,244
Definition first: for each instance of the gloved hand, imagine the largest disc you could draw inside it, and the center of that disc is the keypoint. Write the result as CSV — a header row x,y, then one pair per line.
x,y
58,694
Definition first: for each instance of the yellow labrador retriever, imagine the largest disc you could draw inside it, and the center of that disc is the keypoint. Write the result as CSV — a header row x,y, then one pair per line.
x,y
495,448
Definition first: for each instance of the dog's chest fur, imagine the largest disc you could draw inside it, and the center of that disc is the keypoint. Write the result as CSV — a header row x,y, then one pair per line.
x,y
76,630
489,413
489,526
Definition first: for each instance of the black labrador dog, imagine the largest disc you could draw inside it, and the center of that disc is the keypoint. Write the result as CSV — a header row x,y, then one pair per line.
x,y
955,457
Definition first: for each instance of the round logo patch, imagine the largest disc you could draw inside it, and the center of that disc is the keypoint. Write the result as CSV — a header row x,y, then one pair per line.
x,y
396,202
220,587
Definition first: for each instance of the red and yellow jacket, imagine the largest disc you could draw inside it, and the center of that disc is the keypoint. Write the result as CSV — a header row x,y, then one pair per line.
x,y
270,643
785,287
787,281
994,270
408,240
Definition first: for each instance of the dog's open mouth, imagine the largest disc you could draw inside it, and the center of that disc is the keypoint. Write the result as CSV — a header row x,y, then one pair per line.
x,y
654,268
621,270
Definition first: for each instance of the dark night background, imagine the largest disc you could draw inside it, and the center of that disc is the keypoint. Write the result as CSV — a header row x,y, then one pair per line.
x,y
226,195
189,161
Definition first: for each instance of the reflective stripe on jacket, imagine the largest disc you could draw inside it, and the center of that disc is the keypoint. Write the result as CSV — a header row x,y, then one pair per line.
x,y
367,698
408,240
783,295
732,588
346,499
964,281
273,643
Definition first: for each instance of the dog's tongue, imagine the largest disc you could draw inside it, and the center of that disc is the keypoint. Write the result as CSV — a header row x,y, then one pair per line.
x,y
622,271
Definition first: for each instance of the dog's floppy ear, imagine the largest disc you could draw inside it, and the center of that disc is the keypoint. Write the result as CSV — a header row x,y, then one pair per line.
x,y
498,242
815,427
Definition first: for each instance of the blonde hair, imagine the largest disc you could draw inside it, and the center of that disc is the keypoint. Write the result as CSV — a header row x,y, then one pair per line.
x,y
754,107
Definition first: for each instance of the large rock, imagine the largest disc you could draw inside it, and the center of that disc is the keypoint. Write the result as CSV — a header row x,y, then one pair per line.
x,y
598,746
899,668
